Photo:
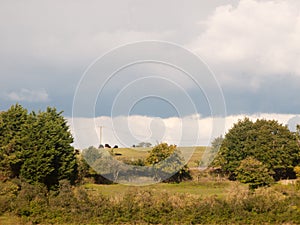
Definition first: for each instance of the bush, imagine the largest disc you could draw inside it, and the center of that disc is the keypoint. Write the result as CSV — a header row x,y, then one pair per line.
x,y
254,173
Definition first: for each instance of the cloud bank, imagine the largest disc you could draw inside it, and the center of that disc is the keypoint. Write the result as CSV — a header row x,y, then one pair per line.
x,y
127,131
252,42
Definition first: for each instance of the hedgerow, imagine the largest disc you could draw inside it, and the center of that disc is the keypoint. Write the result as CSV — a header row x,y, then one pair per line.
x,y
35,204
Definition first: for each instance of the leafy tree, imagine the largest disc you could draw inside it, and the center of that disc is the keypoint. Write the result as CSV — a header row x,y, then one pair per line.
x,y
50,156
37,146
266,140
167,161
12,136
160,152
253,172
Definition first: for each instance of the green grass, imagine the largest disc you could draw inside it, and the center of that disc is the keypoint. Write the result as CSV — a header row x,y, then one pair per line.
x,y
205,188
193,154
132,153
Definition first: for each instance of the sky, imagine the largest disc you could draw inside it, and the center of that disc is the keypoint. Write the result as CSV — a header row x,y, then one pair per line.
x,y
211,62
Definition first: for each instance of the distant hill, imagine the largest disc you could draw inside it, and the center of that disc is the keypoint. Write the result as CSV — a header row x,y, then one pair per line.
x,y
128,154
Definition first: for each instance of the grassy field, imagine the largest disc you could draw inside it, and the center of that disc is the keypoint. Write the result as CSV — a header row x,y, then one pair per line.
x,y
204,189
194,154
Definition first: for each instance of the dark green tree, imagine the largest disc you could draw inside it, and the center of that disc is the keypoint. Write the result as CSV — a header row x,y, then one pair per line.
x,y
253,172
37,146
49,156
12,137
266,140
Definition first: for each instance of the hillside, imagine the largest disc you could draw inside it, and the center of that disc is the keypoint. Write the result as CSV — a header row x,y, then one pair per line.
x,y
131,154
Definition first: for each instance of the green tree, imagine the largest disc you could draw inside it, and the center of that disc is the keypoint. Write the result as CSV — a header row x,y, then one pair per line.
x,y
168,162
50,156
37,146
253,172
266,140
160,152
12,137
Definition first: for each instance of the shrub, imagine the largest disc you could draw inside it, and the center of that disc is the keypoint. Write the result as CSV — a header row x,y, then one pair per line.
x,y
254,173
8,193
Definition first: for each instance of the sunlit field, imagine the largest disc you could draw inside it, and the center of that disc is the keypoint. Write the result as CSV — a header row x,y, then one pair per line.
x,y
202,188
128,154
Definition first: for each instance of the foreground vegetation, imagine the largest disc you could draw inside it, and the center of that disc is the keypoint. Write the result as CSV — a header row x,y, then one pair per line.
x,y
158,204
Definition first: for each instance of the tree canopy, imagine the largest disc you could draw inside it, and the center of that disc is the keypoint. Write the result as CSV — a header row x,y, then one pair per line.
x,y
36,146
265,140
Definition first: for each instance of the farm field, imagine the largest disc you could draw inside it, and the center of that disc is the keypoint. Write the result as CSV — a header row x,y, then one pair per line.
x,y
194,153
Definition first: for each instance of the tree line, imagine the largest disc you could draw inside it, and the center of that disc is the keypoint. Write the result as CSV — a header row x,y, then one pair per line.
x,y
36,147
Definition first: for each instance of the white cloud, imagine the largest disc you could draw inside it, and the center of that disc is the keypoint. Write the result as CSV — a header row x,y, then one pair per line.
x,y
26,95
188,131
253,41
